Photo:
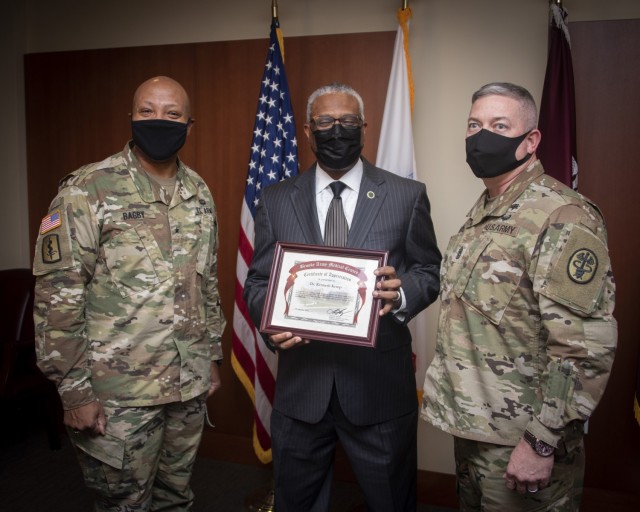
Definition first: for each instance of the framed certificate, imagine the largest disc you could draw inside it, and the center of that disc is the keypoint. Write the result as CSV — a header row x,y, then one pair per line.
x,y
323,293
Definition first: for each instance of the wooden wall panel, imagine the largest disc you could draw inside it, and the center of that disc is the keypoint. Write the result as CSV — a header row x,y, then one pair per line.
x,y
606,61
77,106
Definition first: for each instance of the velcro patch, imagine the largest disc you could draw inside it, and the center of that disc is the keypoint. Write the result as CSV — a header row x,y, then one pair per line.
x,y
582,266
50,222
577,276
504,229
51,249
133,215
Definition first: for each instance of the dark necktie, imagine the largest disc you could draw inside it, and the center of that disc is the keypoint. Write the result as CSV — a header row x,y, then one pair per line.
x,y
336,227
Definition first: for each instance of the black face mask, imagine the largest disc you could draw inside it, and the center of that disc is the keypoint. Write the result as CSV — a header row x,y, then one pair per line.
x,y
338,147
490,154
159,139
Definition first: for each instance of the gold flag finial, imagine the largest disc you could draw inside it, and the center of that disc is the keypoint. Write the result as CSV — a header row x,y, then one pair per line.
x,y
404,4
274,9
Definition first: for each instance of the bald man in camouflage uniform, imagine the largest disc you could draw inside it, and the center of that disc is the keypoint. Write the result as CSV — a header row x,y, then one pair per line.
x,y
127,311
526,336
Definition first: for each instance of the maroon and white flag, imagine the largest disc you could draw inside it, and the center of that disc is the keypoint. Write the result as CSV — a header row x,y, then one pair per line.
x,y
557,122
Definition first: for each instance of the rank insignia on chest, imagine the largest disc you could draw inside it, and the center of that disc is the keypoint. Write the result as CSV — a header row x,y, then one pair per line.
x,y
50,222
459,251
582,266
51,249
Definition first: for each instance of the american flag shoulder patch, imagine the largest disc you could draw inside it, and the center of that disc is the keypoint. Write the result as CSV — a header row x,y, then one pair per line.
x,y
51,221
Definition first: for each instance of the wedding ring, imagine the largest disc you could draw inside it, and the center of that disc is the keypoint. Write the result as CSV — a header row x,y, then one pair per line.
x,y
398,296
533,491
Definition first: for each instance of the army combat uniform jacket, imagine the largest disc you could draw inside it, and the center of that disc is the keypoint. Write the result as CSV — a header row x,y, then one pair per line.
x,y
526,336
127,307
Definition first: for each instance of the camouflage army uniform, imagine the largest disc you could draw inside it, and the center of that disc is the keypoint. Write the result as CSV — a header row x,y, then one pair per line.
x,y
526,336
127,308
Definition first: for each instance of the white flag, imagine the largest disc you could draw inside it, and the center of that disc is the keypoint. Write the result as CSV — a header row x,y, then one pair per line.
x,y
396,154
395,147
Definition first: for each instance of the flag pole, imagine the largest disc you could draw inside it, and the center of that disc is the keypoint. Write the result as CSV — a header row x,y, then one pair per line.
x,y
263,499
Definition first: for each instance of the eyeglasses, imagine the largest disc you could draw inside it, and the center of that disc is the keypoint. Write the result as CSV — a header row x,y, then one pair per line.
x,y
350,122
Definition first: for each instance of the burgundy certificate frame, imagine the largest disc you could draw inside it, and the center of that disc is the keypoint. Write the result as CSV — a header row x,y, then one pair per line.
x,y
324,293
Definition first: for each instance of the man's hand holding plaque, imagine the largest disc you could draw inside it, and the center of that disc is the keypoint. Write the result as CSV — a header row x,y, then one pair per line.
x,y
388,289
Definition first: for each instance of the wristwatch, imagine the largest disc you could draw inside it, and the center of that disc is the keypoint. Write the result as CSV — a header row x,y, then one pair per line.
x,y
540,447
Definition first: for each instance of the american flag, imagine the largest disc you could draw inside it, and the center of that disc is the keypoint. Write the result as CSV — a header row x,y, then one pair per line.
x,y
274,157
51,221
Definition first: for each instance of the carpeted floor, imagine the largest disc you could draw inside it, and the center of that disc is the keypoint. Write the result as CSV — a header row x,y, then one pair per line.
x,y
34,478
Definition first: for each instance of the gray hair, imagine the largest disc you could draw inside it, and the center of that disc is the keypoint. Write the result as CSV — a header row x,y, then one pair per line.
x,y
333,89
516,92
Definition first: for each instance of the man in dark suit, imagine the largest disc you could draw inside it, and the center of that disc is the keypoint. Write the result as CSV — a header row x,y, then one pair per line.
x,y
365,397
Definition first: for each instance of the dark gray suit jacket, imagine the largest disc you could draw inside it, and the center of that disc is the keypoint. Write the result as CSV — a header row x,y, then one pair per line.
x,y
373,384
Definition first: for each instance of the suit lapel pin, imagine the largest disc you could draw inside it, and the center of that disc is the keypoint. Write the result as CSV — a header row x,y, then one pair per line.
x,y
370,194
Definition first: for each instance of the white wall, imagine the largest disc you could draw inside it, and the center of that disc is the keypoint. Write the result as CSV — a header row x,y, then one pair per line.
x,y
456,46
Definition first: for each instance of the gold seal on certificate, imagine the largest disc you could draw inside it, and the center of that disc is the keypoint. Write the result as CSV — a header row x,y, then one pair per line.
x,y
323,293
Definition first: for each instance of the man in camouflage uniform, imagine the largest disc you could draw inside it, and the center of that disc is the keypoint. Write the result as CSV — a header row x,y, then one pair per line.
x,y
127,312
526,336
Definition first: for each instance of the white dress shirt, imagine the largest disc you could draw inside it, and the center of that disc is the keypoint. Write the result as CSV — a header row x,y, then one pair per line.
x,y
349,195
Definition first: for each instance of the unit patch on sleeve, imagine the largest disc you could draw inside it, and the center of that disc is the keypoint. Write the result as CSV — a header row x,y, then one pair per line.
x,y
582,266
51,249
50,222
576,276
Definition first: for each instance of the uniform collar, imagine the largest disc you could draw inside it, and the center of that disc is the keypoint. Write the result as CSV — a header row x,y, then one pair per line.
x,y
185,187
500,205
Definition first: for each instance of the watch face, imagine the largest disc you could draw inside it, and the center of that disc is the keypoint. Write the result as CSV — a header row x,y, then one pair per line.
x,y
543,449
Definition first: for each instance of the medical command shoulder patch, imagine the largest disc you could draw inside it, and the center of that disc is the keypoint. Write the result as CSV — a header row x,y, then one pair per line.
x,y
50,222
582,266
577,276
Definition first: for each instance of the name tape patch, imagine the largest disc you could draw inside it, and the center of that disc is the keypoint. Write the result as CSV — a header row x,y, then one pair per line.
x,y
504,229
133,215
